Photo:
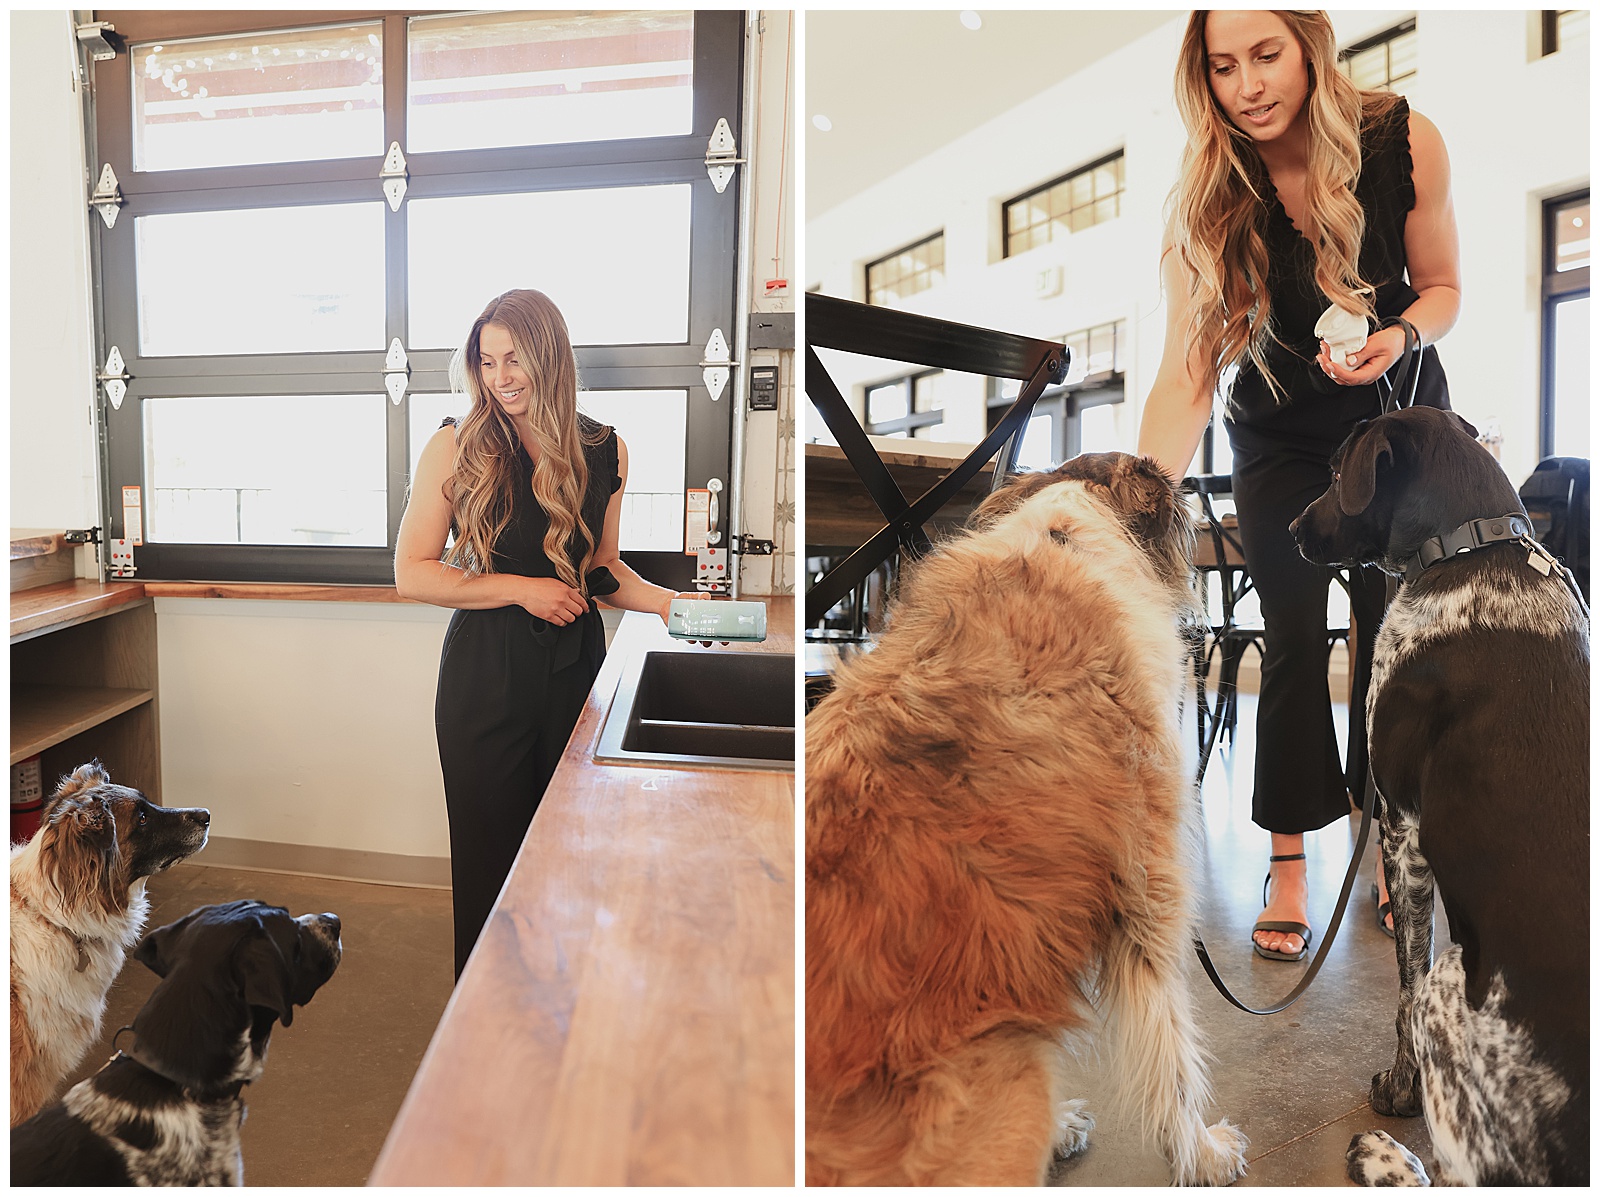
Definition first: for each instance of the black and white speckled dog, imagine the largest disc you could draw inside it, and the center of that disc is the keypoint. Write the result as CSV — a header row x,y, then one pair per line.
x,y
1478,721
168,1110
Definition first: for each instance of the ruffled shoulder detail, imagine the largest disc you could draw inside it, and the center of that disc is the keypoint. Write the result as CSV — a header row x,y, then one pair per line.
x,y
1386,156
600,444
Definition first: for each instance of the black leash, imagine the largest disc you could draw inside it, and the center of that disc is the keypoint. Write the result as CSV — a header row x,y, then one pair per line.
x,y
1401,391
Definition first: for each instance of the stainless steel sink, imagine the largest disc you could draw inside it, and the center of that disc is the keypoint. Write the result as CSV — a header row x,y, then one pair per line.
x,y
704,709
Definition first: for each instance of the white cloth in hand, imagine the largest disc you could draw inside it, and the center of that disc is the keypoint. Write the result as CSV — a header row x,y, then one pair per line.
x,y
1345,332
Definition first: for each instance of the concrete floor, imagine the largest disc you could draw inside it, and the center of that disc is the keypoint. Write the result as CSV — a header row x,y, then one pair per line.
x,y
334,1080
1296,1083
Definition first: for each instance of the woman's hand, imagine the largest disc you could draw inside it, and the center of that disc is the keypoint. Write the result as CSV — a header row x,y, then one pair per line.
x,y
551,599
1382,350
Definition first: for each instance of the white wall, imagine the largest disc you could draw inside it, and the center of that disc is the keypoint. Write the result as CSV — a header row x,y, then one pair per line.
x,y
304,722
299,723
1517,131
52,363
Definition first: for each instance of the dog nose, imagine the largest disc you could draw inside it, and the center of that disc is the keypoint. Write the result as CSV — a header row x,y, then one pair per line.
x,y
333,922
1294,524
202,816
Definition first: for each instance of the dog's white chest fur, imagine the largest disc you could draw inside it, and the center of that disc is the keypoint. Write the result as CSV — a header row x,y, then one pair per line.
x,y
194,1144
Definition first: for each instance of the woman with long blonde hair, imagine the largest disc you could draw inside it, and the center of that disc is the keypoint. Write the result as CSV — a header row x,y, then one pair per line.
x,y
1298,193
532,490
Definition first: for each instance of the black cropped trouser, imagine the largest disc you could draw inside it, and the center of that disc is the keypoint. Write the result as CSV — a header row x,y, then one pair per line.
x,y
511,689
1300,782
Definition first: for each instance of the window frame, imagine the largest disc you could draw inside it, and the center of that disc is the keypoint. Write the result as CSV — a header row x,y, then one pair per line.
x,y
1068,401
1409,25
718,65
1555,288
1089,168
913,419
866,273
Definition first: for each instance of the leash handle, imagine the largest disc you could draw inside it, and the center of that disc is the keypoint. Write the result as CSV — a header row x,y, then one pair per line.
x,y
1294,995
1402,389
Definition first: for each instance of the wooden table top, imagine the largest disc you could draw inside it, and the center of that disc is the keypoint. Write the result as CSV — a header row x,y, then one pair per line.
x,y
628,1014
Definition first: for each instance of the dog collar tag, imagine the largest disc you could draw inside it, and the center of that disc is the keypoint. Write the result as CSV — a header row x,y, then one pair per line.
x,y
1538,562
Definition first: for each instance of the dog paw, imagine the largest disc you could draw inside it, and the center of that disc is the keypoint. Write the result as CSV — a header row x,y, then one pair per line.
x,y
1376,1159
1218,1157
1396,1099
1073,1124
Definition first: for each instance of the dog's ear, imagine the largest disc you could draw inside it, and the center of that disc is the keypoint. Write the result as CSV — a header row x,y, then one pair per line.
x,y
154,950
84,854
1465,427
264,971
1145,493
1358,472
84,777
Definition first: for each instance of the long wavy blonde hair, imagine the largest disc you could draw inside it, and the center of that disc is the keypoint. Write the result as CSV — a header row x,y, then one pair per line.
x,y
1217,212
482,485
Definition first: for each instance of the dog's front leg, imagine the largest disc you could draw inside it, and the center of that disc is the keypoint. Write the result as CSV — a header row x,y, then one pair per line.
x,y
1398,1091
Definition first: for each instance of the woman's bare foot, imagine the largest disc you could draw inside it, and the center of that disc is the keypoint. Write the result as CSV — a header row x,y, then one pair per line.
x,y
1286,896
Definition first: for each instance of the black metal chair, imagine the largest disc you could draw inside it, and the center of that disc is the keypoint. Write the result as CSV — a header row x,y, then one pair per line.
x,y
920,340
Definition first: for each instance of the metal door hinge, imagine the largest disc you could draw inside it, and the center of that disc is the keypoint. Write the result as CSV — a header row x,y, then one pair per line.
x,y
396,371
114,377
92,36
106,197
749,546
122,559
82,536
394,176
715,366
721,155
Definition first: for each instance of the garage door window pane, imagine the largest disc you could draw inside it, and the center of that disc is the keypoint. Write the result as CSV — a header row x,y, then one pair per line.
x,y
497,79
655,426
614,260
266,469
262,280
281,96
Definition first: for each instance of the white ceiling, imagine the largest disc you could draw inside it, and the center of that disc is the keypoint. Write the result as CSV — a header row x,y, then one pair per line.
x,y
898,85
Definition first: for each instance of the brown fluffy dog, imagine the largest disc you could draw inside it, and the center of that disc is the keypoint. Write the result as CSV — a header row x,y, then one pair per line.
x,y
77,905
997,839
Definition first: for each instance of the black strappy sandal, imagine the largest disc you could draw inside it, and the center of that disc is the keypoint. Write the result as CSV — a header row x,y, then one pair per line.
x,y
1385,909
1300,929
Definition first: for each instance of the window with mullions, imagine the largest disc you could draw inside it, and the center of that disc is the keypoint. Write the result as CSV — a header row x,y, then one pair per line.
x,y
1087,196
1077,415
903,273
1387,62
1564,378
910,406
259,281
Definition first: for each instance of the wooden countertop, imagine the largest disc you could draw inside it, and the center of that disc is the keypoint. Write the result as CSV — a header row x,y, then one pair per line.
x,y
628,1014
62,604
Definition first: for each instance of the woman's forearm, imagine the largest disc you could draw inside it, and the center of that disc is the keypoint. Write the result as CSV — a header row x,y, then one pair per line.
x,y
1170,428
448,586
1434,312
633,593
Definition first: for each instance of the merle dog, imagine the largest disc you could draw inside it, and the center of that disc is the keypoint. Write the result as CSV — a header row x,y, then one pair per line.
x,y
1478,721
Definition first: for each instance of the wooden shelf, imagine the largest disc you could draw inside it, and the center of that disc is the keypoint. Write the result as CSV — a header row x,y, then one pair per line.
x,y
44,716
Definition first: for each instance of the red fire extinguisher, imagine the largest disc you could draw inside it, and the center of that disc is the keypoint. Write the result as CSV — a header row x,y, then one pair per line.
x,y
27,800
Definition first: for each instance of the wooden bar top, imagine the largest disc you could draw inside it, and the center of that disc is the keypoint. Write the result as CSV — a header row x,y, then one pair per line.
x,y
62,604
628,1014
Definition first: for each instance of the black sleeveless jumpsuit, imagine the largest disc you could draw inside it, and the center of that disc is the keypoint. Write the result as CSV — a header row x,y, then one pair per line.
x,y
511,688
1281,450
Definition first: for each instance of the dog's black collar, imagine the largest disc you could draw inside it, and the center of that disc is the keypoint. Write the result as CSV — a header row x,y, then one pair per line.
x,y
132,1054
1474,534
